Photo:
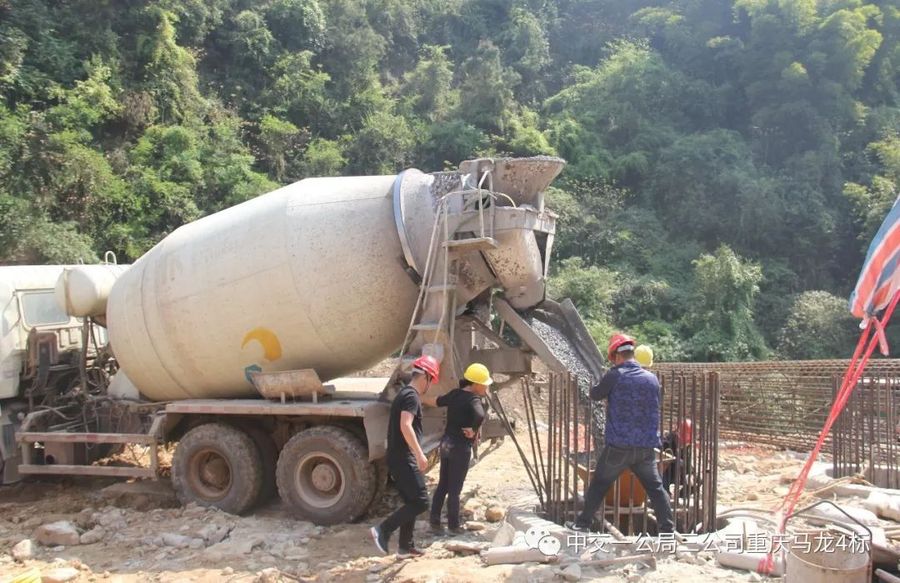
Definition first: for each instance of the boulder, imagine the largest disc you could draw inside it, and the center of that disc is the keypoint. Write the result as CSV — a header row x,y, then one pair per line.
x,y
60,575
178,541
23,550
62,533
213,533
494,514
141,494
94,535
571,573
504,536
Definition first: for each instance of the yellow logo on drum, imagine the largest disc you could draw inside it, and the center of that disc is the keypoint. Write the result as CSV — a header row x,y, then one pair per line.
x,y
270,344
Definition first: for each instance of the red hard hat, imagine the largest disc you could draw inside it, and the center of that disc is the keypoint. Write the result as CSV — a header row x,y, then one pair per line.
x,y
616,342
429,365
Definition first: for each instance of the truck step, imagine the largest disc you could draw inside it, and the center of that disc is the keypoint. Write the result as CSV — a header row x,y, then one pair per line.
x,y
472,245
64,437
70,470
427,327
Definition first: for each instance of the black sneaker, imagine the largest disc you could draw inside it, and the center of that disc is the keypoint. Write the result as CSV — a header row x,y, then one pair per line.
x,y
411,552
437,528
457,530
577,527
379,540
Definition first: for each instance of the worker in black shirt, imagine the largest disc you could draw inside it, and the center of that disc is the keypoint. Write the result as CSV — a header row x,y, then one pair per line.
x,y
405,458
465,414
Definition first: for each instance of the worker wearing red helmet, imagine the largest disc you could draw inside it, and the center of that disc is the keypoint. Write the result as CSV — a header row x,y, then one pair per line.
x,y
632,434
405,458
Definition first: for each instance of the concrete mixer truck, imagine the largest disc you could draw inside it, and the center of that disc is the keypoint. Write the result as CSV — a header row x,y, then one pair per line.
x,y
235,334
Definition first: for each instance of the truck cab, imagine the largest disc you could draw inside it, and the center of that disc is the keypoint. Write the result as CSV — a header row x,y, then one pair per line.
x,y
39,350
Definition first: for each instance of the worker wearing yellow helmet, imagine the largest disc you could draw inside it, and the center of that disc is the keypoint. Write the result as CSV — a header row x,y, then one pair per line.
x,y
644,355
465,414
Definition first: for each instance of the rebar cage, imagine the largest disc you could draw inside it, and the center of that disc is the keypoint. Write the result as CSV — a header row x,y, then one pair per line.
x,y
866,435
565,434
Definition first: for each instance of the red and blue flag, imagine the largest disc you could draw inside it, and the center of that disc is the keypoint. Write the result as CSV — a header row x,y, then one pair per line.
x,y
879,279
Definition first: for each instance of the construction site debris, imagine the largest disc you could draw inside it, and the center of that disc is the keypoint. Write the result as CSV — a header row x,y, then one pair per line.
x,y
514,555
646,559
466,547
884,505
494,514
92,536
748,561
504,536
571,573
23,550
61,533
60,575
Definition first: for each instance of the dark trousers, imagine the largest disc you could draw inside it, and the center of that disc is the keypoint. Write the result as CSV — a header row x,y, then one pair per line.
x,y
455,456
642,462
411,484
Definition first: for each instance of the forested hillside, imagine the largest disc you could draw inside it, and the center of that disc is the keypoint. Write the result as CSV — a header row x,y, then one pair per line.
x,y
728,159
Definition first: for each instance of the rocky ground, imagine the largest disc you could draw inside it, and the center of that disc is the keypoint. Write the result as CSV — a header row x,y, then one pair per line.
x,y
96,530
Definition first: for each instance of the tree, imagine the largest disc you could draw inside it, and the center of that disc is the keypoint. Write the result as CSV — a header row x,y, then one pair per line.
x,y
168,70
819,326
322,158
527,51
590,288
427,90
298,25
384,145
721,312
486,90
450,142
279,140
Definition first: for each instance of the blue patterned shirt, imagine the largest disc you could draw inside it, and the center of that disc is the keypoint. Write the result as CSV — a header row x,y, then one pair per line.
x,y
632,413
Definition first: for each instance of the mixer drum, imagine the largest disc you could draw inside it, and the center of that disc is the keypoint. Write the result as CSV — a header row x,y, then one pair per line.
x,y
308,276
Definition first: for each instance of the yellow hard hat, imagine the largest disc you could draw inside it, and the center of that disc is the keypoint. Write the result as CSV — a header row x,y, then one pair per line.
x,y
478,373
644,355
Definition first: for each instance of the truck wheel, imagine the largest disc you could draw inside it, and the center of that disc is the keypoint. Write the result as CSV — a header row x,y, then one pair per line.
x,y
324,474
217,465
269,456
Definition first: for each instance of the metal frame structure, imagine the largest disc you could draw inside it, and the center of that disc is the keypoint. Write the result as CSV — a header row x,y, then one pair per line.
x,y
782,403
866,439
564,439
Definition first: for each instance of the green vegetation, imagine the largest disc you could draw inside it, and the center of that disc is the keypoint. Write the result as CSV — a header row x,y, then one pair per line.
x,y
728,159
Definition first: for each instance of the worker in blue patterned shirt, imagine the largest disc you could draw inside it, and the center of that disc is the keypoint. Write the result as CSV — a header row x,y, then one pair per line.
x,y
632,435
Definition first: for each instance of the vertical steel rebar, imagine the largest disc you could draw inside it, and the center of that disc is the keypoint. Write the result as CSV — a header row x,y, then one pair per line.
x,y
532,477
532,432
565,448
537,439
578,398
551,497
560,414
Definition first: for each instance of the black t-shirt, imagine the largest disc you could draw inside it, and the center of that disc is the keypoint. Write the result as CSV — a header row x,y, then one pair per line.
x,y
464,409
406,400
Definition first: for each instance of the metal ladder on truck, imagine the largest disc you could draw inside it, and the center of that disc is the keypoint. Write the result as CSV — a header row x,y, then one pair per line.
x,y
431,329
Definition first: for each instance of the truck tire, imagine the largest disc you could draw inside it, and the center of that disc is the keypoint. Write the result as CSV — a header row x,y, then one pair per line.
x,y
268,454
382,475
325,476
217,465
